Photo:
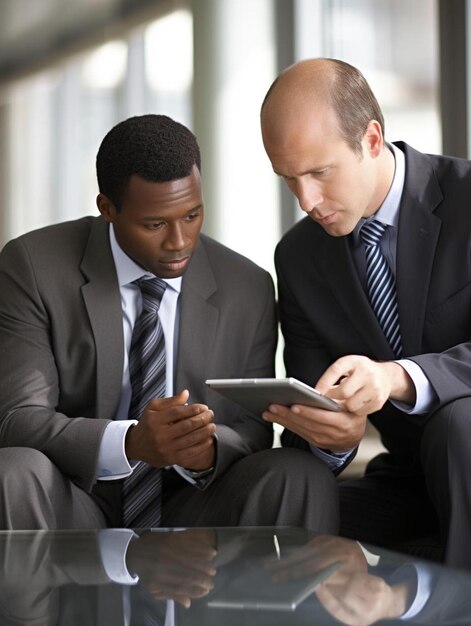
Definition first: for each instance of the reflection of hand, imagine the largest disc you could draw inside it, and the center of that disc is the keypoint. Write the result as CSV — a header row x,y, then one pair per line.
x,y
361,599
171,432
350,594
174,565
316,555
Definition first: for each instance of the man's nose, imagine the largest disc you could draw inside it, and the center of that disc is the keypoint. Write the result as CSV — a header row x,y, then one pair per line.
x,y
175,239
309,195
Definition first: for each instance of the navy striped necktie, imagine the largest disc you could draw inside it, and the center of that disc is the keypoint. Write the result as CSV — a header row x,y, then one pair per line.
x,y
381,284
142,489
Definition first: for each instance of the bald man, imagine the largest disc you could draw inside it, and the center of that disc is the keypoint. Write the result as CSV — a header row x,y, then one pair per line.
x,y
387,228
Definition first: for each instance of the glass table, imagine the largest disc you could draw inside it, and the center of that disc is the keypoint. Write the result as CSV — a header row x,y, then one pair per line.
x,y
219,576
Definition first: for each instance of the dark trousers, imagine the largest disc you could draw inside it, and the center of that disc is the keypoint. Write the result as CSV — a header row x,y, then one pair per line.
x,y
401,506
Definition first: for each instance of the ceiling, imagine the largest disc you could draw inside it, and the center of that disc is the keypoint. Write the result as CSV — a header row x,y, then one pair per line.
x,y
33,33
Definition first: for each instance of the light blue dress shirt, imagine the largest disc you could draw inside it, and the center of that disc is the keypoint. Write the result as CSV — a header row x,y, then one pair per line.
x,y
388,213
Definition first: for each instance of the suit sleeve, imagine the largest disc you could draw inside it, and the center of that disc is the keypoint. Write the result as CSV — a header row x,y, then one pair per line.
x,y
240,433
31,414
304,355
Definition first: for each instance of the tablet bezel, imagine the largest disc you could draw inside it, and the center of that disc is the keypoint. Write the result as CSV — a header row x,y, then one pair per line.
x,y
256,394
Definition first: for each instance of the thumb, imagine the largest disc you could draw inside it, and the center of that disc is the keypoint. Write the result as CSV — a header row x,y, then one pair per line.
x,y
181,398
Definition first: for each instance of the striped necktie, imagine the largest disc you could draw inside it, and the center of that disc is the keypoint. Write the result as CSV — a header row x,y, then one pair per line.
x,y
381,284
142,489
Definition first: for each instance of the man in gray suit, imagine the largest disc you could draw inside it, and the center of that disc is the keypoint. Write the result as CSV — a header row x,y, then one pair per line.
x,y
409,372
69,302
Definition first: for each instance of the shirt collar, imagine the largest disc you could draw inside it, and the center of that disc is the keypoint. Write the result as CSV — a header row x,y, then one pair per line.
x,y
388,212
128,271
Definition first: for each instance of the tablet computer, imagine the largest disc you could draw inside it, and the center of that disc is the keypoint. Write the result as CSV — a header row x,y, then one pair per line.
x,y
253,588
256,394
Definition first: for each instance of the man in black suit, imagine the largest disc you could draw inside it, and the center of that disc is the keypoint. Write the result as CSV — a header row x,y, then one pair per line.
x,y
323,131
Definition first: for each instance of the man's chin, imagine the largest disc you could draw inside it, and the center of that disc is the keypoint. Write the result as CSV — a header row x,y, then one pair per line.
x,y
171,270
336,230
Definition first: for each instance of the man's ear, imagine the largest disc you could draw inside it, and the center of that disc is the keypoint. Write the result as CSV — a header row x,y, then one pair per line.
x,y
106,207
373,139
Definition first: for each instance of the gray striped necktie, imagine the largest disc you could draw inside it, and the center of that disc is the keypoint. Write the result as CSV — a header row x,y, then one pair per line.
x,y
381,284
142,489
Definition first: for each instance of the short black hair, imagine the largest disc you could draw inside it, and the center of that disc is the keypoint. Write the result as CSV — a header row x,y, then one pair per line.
x,y
154,147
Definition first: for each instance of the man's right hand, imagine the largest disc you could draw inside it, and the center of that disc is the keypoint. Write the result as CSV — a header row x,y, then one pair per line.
x,y
172,432
361,387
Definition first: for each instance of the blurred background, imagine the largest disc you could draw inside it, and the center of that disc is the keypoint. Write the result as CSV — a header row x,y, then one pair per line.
x,y
71,69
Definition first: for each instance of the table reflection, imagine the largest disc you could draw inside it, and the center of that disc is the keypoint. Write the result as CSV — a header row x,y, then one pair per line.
x,y
219,576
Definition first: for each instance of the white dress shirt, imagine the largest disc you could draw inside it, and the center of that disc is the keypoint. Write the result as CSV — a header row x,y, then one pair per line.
x,y
112,461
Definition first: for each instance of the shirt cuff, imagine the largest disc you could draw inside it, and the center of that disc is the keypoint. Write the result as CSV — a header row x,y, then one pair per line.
x,y
424,591
113,544
112,461
194,478
425,394
333,460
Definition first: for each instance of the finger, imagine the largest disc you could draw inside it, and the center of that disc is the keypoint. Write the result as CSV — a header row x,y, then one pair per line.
x,y
182,593
301,414
193,440
183,579
347,387
193,423
190,457
342,433
160,404
175,414
341,368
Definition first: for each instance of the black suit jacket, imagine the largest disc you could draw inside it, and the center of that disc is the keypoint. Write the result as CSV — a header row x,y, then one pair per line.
x,y
325,313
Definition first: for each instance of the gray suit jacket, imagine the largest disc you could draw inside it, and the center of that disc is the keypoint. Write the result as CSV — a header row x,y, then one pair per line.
x,y
61,344
325,312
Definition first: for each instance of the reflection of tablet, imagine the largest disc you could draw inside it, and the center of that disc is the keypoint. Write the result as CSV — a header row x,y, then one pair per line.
x,y
256,394
253,588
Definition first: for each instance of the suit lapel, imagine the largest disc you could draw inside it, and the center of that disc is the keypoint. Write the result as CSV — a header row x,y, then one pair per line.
x,y
102,300
198,319
418,233
341,275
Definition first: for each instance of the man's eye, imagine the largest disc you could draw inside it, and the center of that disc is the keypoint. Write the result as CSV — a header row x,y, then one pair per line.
x,y
192,216
154,226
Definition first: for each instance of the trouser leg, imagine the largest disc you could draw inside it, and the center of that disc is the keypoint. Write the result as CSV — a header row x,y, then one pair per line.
x,y
388,507
446,458
278,487
34,494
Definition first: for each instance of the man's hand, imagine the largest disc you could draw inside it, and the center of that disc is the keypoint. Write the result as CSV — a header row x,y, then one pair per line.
x,y
171,432
361,386
338,432
361,599
174,565
318,554
351,594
